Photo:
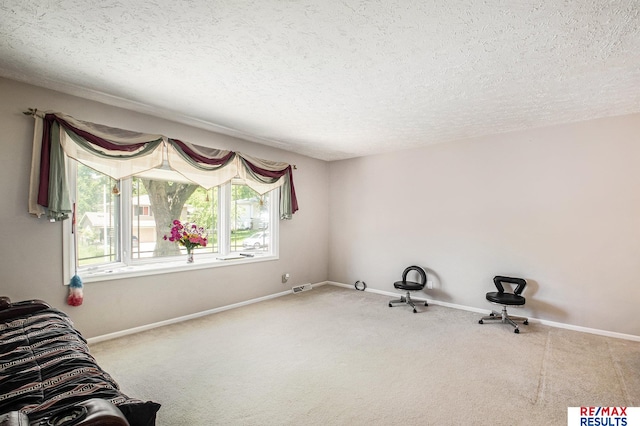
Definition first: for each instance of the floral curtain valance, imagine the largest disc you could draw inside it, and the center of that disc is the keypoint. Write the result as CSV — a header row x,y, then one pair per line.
x,y
122,153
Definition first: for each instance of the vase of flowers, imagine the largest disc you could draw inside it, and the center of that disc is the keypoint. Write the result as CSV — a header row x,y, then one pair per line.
x,y
188,235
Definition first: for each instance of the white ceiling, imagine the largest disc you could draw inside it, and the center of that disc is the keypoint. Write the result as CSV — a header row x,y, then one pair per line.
x,y
335,79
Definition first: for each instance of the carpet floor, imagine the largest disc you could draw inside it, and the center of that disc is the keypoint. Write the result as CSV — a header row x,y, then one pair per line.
x,y
336,356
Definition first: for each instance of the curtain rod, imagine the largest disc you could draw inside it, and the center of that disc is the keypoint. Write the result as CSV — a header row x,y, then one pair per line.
x,y
34,111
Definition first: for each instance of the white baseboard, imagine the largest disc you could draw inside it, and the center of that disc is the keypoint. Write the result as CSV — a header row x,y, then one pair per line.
x,y
102,338
134,330
484,311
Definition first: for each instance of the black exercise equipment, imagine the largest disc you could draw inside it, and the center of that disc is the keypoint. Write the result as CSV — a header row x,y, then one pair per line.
x,y
410,286
505,299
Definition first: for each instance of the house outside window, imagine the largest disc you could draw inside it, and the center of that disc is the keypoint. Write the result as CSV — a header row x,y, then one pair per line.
x,y
144,209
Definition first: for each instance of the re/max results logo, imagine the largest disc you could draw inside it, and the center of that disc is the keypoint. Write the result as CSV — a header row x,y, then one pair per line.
x,y
603,416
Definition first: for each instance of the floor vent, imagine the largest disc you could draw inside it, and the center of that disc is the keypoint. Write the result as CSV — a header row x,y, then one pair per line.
x,y
301,288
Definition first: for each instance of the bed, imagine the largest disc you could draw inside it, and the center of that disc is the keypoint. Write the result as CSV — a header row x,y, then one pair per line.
x,y
48,376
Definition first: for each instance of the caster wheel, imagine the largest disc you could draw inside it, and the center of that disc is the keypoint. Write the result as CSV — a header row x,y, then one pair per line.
x,y
492,314
526,322
480,322
516,331
415,312
390,305
426,304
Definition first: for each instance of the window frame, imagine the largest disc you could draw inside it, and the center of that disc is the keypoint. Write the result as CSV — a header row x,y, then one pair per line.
x,y
126,267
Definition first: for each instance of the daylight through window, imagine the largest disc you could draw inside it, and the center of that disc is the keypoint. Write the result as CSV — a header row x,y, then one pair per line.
x,y
122,223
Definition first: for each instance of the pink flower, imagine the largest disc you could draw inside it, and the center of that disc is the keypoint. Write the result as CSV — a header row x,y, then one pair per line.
x,y
188,235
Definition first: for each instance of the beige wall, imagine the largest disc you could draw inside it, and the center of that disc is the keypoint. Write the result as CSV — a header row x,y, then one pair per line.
x,y
558,206
31,251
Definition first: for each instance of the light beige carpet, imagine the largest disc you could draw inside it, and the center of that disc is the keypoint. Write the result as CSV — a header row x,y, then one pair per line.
x,y
335,356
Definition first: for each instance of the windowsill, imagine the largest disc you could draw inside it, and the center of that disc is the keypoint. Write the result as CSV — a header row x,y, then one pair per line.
x,y
155,268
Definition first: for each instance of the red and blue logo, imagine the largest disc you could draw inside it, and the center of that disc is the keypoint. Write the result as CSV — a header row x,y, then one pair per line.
x,y
603,416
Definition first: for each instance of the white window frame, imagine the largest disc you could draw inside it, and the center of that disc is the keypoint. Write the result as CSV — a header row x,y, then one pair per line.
x,y
127,268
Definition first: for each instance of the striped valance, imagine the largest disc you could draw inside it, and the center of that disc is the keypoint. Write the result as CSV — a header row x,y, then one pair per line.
x,y
122,153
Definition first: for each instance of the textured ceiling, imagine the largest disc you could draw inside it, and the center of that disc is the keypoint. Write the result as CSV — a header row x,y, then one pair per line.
x,y
335,79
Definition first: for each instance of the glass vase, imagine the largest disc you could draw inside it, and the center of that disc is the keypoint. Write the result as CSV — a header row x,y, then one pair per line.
x,y
189,255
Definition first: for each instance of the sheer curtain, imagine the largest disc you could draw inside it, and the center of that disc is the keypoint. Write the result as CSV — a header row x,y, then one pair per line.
x,y
122,153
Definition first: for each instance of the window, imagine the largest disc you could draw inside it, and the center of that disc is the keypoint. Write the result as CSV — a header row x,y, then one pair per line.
x,y
250,220
120,224
141,210
96,218
118,221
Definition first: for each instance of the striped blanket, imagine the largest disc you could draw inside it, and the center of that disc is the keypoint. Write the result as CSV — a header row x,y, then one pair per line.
x,y
45,365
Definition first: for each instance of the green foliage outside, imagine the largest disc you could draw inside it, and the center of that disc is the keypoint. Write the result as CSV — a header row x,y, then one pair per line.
x,y
96,197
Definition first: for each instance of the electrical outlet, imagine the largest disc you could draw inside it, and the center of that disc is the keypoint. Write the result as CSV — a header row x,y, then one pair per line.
x,y
285,277
430,285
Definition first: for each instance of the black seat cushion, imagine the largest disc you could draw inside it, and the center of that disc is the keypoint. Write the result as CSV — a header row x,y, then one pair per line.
x,y
408,285
505,298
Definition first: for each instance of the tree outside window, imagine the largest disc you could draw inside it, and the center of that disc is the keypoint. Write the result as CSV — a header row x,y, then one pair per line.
x,y
125,221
